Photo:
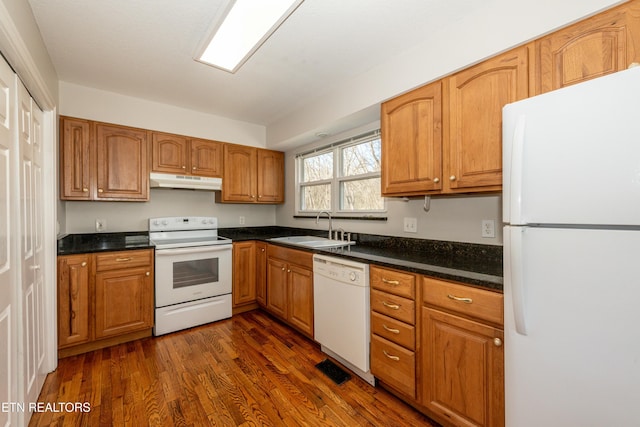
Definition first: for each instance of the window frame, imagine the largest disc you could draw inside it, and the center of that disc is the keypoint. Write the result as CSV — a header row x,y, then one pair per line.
x,y
337,179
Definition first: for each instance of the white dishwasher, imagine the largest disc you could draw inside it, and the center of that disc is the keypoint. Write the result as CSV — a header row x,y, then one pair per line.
x,y
341,312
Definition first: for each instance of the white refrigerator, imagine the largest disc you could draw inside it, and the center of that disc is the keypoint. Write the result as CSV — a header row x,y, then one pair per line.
x,y
571,208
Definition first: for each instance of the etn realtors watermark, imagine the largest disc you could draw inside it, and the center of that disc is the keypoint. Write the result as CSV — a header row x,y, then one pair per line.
x,y
45,407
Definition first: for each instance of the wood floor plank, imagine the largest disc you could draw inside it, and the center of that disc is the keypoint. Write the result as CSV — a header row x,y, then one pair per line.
x,y
250,370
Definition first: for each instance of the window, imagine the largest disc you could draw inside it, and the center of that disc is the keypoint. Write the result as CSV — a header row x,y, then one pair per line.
x,y
341,178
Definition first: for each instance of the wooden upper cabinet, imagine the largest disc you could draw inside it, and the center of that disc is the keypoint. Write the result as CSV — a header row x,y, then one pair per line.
x,y
603,44
169,153
252,175
270,176
206,157
75,160
183,156
100,161
473,134
411,126
122,156
239,181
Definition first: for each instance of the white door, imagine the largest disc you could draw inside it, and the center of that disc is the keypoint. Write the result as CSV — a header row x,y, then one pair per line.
x,y
9,276
31,294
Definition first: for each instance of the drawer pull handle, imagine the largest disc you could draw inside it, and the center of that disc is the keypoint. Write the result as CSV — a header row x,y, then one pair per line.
x,y
393,331
391,306
390,282
464,300
390,356
123,259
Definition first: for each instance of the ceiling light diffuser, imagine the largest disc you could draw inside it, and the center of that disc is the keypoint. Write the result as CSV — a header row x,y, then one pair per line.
x,y
245,27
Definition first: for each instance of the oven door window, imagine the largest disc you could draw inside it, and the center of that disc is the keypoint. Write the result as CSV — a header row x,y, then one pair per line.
x,y
195,272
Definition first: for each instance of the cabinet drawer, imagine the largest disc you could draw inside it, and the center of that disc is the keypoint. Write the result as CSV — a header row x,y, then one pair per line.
x,y
474,302
393,330
394,306
123,259
394,365
394,282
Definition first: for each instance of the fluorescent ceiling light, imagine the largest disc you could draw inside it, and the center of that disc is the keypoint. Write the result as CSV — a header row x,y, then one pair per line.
x,y
247,24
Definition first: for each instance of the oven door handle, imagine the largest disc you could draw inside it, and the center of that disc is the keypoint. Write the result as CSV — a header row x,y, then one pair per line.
x,y
196,250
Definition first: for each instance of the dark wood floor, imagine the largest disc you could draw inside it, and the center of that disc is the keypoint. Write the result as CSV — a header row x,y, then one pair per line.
x,y
246,371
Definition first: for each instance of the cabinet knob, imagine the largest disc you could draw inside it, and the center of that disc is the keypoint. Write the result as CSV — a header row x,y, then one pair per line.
x,y
436,180
497,342
194,168
259,196
184,167
147,274
289,271
100,190
253,196
452,178
84,264
85,190
283,268
261,249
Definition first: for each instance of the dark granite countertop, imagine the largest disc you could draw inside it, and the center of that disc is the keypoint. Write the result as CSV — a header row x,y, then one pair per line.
x,y
473,264
103,242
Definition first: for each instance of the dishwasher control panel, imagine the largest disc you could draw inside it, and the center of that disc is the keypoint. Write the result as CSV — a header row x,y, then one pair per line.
x,y
341,270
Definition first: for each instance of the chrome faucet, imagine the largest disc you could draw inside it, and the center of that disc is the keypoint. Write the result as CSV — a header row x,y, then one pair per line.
x,y
330,226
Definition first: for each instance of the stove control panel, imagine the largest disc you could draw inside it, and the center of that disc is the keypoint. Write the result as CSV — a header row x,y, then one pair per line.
x,y
179,223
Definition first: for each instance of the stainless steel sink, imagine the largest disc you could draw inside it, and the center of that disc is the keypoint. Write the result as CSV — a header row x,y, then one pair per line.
x,y
312,241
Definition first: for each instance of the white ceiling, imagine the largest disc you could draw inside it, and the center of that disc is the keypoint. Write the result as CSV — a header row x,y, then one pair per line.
x,y
145,49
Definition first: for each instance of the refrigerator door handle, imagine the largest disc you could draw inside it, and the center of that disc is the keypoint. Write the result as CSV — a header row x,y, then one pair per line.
x,y
517,156
515,275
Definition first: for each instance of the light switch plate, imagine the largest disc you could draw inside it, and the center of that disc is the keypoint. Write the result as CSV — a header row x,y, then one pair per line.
x,y
411,225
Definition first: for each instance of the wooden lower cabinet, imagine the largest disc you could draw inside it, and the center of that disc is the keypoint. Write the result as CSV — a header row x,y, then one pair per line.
x,y
74,300
462,354
104,299
462,369
289,287
244,273
261,273
124,301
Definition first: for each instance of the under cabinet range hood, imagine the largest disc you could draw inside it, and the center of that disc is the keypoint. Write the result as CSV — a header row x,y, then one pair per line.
x,y
166,180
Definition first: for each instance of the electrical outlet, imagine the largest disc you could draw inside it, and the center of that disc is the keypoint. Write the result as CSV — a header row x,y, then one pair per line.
x,y
101,225
488,228
411,225
241,220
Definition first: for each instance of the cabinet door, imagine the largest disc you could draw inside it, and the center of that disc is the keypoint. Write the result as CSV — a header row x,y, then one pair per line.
x,y
244,273
75,170
462,369
169,153
277,287
261,273
206,158
473,154
270,176
239,181
73,300
124,301
412,142
122,163
300,304
597,46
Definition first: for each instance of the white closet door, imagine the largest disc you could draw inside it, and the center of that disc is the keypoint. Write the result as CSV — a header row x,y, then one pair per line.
x,y
31,295
38,246
9,274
